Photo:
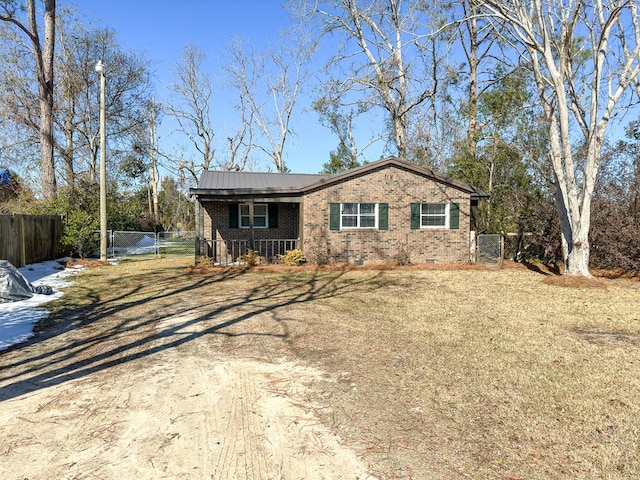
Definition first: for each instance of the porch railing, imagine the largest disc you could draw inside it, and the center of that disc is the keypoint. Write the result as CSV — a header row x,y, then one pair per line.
x,y
228,252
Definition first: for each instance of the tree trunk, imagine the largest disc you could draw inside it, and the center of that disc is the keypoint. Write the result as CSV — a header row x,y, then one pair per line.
x,y
49,186
44,71
575,240
400,132
577,261
68,155
472,58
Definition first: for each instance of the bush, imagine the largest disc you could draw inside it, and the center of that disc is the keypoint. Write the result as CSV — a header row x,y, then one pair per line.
x,y
203,261
402,257
80,233
251,259
293,258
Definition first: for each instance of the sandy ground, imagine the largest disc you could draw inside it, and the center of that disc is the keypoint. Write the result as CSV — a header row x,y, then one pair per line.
x,y
76,407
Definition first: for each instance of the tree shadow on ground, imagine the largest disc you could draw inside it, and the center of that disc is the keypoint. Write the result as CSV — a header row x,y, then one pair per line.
x,y
543,268
147,318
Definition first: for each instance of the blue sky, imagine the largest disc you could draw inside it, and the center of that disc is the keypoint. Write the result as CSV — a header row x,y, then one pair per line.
x,y
161,28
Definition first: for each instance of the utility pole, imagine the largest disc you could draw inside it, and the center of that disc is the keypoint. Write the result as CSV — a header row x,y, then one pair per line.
x,y
103,165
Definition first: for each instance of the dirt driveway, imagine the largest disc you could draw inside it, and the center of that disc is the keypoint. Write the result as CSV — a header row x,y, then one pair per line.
x,y
134,384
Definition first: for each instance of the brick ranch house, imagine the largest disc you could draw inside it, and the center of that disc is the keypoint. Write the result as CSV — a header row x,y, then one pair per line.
x,y
385,211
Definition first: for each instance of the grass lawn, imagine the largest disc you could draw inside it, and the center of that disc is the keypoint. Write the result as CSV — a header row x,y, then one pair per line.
x,y
431,373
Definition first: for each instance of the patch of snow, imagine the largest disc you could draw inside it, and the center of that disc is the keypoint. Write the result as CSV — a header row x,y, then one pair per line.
x,y
146,241
18,318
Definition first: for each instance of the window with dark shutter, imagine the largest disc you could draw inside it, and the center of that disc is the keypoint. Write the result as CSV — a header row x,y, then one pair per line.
x,y
334,216
233,215
454,216
260,215
435,215
365,216
415,216
273,215
383,216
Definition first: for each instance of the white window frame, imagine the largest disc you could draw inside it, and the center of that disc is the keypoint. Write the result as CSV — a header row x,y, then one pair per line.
x,y
430,215
358,216
246,216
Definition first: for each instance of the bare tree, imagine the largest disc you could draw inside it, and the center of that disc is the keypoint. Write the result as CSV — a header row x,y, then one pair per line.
x,y
143,161
43,54
191,107
377,38
477,43
76,112
241,142
270,82
242,74
290,71
76,139
76,97
19,109
340,120
585,57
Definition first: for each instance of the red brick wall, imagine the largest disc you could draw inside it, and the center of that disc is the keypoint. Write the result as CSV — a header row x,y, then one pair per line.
x,y
216,223
398,188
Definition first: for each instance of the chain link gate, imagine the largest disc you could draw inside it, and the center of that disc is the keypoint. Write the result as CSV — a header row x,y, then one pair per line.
x,y
145,245
176,244
489,249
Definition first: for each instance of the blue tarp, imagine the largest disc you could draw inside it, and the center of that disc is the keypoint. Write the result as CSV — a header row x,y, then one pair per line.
x,y
5,176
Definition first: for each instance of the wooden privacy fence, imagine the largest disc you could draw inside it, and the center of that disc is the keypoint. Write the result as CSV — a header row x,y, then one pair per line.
x,y
26,239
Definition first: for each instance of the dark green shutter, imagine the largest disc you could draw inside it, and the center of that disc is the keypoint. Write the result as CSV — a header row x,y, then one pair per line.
x,y
273,215
415,216
233,215
454,216
334,216
383,216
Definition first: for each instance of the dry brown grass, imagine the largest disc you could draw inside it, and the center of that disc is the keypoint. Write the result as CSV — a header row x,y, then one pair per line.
x,y
85,262
572,281
432,372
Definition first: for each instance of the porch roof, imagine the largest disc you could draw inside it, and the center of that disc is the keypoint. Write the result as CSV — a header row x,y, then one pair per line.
x,y
253,182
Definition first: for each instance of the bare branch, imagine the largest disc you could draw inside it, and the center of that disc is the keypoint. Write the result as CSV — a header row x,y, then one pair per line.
x,y
191,107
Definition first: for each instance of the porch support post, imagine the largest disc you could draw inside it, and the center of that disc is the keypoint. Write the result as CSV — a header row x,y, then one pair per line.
x,y
301,224
198,227
473,247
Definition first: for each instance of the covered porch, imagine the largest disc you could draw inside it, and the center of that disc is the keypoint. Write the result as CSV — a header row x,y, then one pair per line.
x,y
227,229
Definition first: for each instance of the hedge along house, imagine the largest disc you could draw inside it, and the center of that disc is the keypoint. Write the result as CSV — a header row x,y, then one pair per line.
x,y
385,211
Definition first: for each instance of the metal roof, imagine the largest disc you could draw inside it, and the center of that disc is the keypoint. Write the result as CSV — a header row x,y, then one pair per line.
x,y
230,184
214,180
